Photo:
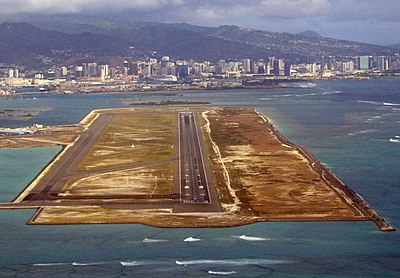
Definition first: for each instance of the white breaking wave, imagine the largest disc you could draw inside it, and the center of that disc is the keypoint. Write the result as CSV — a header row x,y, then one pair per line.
x,y
379,103
391,104
50,264
370,102
237,262
137,263
192,239
304,85
311,94
332,93
397,136
252,238
221,272
394,140
86,264
150,240
362,132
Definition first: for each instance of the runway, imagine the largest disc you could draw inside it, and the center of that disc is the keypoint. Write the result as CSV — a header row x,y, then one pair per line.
x,y
194,183
194,189
67,165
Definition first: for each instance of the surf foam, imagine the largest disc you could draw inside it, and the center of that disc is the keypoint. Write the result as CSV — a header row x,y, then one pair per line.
x,y
236,262
221,272
252,238
50,264
192,239
150,240
136,263
391,104
86,264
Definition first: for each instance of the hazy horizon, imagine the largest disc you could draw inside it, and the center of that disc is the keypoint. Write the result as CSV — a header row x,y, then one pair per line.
x,y
363,21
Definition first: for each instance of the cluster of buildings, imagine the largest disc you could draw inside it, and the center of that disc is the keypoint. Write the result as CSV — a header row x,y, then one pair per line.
x,y
166,70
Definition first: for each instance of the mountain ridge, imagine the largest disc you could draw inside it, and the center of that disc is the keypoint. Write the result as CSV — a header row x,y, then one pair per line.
x,y
61,38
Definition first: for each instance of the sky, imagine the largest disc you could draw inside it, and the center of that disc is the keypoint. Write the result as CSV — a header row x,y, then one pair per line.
x,y
371,21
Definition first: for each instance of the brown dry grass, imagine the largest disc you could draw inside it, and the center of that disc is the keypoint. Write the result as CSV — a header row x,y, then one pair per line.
x,y
167,118
271,179
152,217
150,180
114,147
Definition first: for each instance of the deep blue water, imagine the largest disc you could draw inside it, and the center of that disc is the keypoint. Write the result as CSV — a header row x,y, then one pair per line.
x,y
351,125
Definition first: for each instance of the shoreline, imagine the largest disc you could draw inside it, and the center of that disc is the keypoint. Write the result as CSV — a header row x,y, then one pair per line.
x,y
277,84
160,90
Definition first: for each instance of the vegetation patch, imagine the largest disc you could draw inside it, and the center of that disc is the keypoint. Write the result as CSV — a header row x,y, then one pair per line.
x,y
123,145
156,179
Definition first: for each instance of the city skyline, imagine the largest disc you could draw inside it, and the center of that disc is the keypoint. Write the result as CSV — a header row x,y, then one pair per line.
x,y
363,21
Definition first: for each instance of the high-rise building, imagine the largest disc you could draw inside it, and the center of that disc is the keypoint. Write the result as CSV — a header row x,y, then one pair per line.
x,y
382,63
287,68
79,71
64,71
313,69
133,68
220,68
271,62
330,61
364,62
323,65
92,69
347,67
261,69
104,71
278,67
246,66
166,66
182,70
13,73
58,74
267,69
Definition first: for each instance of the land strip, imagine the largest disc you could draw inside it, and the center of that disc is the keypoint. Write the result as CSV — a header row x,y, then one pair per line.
x,y
186,168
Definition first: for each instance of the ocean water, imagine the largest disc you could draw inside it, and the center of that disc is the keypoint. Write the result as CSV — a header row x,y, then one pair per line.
x,y
27,161
352,126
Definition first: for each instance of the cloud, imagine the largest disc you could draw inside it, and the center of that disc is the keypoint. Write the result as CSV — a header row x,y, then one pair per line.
x,y
216,10
229,12
294,8
77,6
350,10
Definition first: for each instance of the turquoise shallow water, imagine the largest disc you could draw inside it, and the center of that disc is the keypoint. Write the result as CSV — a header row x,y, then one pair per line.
x,y
19,166
347,124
